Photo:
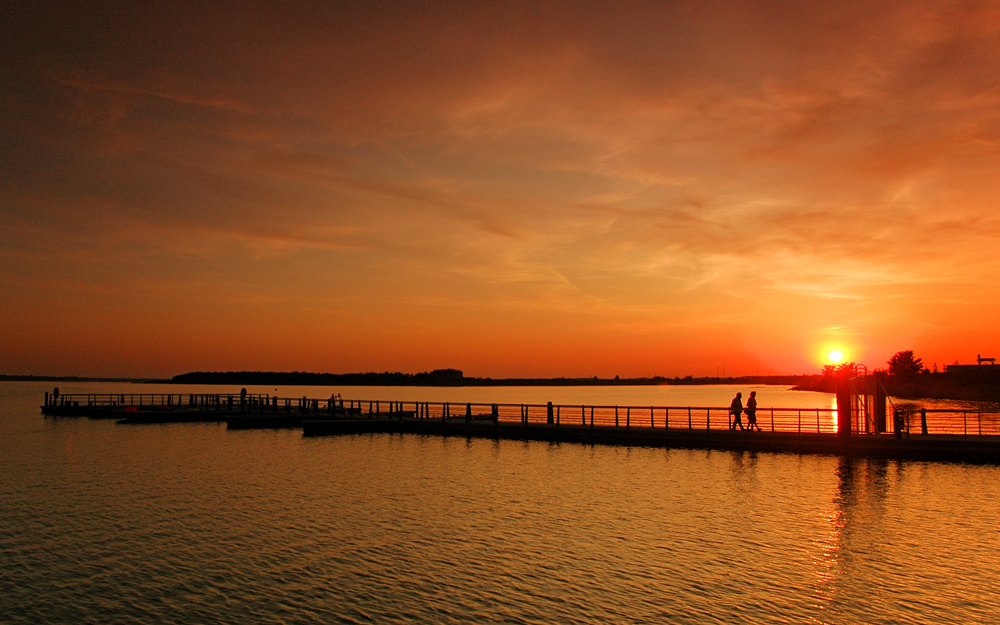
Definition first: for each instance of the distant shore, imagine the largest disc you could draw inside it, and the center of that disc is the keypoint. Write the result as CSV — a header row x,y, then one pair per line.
x,y
75,378
984,387
442,377
454,377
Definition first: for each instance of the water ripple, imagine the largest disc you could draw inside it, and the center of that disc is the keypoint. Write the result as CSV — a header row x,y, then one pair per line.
x,y
191,523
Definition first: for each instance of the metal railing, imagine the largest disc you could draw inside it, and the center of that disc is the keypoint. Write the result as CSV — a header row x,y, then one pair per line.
x,y
231,402
799,420
966,422
788,420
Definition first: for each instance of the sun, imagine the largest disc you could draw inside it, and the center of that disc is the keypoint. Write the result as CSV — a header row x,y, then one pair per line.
x,y
835,356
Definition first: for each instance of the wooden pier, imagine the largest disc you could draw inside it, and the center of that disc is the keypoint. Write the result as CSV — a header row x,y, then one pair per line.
x,y
961,435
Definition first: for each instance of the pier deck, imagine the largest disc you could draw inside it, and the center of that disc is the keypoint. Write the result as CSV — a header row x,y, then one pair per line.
x,y
950,447
959,435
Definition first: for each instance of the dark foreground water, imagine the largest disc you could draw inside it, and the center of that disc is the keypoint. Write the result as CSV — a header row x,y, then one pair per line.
x,y
103,523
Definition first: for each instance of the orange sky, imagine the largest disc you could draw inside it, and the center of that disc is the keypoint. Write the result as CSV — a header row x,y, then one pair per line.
x,y
510,189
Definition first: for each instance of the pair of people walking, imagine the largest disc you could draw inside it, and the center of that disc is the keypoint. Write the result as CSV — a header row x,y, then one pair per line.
x,y
736,410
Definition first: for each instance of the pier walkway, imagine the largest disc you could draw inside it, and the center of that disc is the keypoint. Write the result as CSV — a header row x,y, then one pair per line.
x,y
970,435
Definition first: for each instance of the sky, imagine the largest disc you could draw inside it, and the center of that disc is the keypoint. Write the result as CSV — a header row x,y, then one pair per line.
x,y
511,189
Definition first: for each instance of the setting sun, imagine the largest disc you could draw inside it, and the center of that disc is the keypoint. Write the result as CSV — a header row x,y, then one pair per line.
x,y
835,356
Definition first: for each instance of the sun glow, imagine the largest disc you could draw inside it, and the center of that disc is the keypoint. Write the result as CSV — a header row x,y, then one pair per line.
x,y
835,356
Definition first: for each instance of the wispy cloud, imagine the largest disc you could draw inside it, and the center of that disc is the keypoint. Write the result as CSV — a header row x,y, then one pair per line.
x,y
587,169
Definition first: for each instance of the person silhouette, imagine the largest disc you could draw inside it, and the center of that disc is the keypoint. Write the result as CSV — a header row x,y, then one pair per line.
x,y
736,409
751,411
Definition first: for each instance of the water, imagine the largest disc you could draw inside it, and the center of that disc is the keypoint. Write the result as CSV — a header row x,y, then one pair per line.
x,y
193,523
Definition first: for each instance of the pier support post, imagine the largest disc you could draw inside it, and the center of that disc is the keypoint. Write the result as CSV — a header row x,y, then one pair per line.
x,y
878,400
845,401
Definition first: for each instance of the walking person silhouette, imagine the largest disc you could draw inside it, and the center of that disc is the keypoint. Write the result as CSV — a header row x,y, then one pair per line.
x,y
736,409
751,411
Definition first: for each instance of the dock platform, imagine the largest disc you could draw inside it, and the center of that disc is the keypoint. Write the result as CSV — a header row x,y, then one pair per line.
x,y
949,447
953,435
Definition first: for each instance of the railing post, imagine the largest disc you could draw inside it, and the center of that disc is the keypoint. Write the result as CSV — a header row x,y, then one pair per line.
x,y
583,415
558,411
652,419
628,417
549,416
666,418
708,418
468,413
616,416
800,420
772,420
923,421
591,416
689,417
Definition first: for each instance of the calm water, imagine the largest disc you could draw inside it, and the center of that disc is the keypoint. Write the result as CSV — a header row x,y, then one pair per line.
x,y
192,523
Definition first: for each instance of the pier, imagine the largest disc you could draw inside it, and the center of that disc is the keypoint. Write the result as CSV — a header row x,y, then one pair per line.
x,y
962,435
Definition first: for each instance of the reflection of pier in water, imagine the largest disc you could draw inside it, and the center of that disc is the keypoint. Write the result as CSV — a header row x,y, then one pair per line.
x,y
857,524
957,435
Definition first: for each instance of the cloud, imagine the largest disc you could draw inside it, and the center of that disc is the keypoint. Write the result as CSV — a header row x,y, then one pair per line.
x,y
641,161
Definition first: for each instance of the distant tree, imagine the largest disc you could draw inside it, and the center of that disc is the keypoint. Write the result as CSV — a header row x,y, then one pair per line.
x,y
847,366
903,364
829,371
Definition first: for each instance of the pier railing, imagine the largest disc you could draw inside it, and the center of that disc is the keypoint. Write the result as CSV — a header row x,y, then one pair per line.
x,y
769,419
191,401
952,421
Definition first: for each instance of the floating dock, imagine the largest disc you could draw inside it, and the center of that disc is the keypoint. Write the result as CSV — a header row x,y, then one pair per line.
x,y
953,435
